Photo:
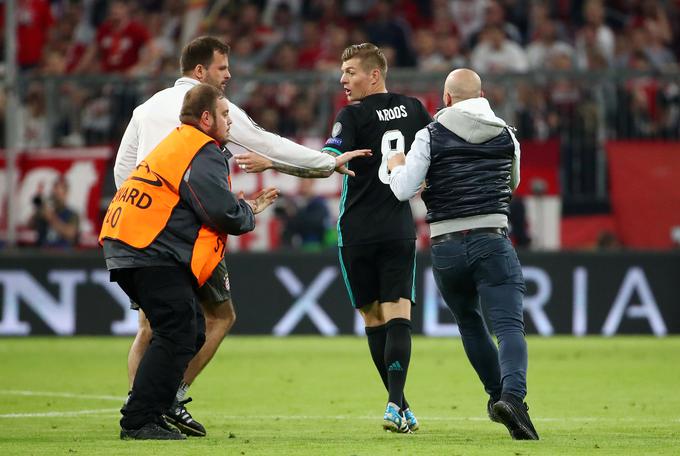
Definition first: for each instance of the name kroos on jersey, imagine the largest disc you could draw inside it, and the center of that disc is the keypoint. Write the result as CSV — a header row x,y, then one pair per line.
x,y
392,113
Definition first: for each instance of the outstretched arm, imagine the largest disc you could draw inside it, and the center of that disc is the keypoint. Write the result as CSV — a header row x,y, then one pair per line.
x,y
248,135
252,162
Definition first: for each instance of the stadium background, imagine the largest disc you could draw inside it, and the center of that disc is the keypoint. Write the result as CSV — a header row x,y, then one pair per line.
x,y
594,90
591,86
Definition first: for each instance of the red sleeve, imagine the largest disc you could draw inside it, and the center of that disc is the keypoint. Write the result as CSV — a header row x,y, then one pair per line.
x,y
102,30
141,34
47,15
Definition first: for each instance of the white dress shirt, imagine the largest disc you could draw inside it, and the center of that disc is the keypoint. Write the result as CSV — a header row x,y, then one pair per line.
x,y
154,119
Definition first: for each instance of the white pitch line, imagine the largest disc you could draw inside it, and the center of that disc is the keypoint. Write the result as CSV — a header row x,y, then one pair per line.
x,y
274,417
426,418
313,417
58,414
58,394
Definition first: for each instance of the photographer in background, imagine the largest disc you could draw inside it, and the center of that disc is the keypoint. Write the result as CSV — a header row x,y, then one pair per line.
x,y
55,222
306,219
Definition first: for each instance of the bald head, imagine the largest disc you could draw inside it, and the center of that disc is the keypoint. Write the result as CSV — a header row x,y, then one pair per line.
x,y
461,84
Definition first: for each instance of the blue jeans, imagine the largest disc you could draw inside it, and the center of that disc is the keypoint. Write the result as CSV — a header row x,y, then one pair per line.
x,y
482,269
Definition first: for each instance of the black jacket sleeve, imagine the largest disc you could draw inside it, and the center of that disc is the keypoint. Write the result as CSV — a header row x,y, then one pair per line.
x,y
205,189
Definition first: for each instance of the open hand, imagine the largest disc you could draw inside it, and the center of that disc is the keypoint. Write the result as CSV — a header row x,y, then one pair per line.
x,y
341,160
262,200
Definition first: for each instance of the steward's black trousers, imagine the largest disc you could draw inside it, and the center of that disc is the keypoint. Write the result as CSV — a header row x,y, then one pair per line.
x,y
167,296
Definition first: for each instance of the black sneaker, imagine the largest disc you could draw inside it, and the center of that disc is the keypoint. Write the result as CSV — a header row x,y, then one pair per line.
x,y
150,431
179,416
164,424
513,413
490,412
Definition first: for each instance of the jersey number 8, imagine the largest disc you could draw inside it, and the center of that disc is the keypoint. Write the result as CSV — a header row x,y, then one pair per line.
x,y
392,143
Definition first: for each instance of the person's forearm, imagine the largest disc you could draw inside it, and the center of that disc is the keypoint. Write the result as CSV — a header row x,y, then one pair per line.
x,y
401,185
274,147
300,172
235,219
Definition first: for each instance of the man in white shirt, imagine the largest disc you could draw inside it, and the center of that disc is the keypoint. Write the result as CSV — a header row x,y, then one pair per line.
x,y
469,160
205,60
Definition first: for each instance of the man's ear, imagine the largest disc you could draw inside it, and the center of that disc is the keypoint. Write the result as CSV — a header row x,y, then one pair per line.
x,y
207,119
375,76
448,101
199,72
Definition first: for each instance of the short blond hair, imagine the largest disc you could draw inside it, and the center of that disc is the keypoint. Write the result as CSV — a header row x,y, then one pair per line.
x,y
370,56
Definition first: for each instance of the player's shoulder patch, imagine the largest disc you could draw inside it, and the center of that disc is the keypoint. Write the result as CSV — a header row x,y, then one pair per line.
x,y
337,129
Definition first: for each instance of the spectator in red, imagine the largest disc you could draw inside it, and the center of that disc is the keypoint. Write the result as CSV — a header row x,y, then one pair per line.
x,y
34,20
334,41
248,23
118,44
310,45
652,16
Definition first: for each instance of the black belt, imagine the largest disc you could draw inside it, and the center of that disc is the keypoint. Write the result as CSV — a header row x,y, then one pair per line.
x,y
458,235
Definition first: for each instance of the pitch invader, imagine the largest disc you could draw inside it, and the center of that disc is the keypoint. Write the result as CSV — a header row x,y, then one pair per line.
x,y
376,233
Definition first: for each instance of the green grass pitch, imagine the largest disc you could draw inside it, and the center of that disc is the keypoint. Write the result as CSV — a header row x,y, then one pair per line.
x,y
321,396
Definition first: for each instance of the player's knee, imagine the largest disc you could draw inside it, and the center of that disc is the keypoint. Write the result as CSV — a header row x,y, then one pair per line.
x,y
144,331
200,340
220,318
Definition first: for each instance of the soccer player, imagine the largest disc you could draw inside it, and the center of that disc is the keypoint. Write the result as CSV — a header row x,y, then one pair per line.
x,y
205,59
376,233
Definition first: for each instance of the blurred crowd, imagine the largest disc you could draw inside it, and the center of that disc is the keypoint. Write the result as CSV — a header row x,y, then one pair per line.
x,y
144,39
58,37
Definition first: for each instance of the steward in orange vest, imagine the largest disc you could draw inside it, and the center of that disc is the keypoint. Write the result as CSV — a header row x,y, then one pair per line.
x,y
163,234
176,207
148,212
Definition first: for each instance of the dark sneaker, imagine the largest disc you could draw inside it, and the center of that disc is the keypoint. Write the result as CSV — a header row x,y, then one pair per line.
x,y
150,431
164,424
513,413
490,412
179,416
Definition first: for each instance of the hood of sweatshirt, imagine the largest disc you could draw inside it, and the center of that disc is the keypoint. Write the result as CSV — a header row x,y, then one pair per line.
x,y
472,119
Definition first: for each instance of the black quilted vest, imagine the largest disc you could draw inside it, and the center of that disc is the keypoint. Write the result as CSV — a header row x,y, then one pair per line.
x,y
466,179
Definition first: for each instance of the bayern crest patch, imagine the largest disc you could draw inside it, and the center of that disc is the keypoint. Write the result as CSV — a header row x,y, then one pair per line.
x,y
337,128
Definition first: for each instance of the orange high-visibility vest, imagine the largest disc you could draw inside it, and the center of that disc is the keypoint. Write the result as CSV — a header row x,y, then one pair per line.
x,y
142,206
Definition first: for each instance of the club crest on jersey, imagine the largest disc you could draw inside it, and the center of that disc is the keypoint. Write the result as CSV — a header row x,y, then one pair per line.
x,y
226,282
337,128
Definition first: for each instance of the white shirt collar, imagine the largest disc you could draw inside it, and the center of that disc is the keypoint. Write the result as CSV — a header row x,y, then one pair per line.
x,y
186,80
